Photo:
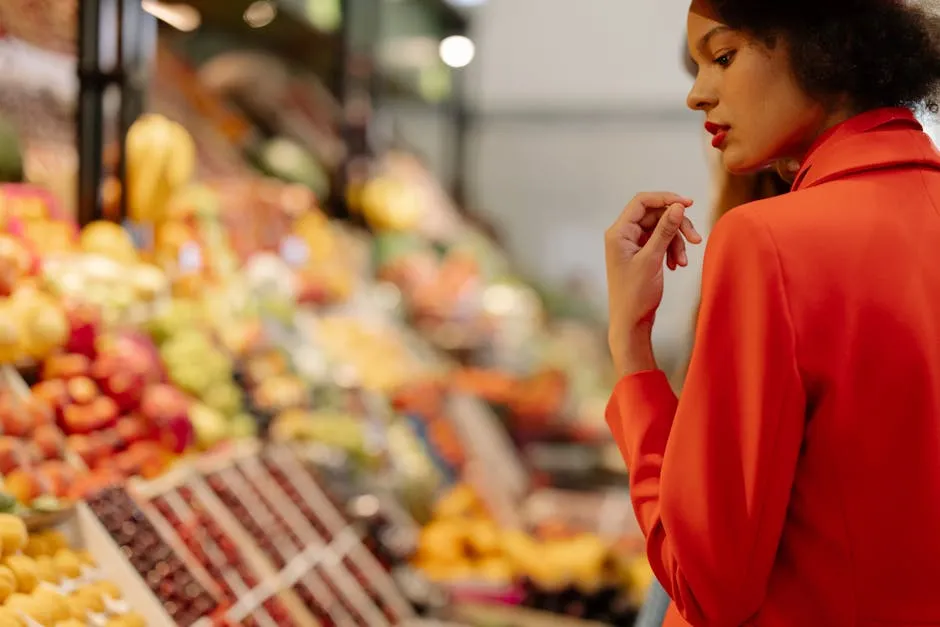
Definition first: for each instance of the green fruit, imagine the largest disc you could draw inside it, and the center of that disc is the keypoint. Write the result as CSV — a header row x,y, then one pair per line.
x,y
243,426
7,503
46,503
209,425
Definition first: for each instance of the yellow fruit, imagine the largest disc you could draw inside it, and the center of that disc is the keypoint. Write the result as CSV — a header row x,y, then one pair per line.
x,y
495,569
79,606
54,602
108,589
13,534
110,240
37,546
86,558
7,587
56,540
483,537
92,598
32,607
71,622
9,618
67,563
46,570
131,619
7,580
24,569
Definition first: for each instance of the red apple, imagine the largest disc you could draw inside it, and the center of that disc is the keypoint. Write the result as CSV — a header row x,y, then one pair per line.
x,y
53,392
105,412
82,390
17,422
57,477
84,322
133,429
48,442
79,419
10,454
65,366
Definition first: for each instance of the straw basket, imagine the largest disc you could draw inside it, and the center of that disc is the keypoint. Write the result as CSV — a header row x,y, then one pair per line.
x,y
47,24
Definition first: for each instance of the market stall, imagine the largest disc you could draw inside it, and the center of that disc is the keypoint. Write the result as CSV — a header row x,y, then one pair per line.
x,y
245,411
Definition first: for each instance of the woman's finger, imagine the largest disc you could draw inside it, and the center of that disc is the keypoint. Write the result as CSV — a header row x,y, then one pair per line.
x,y
677,252
644,202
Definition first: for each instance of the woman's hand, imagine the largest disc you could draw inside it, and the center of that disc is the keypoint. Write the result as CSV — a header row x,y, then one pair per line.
x,y
650,232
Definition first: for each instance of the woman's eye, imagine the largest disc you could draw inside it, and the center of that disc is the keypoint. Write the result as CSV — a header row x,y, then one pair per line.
x,y
725,59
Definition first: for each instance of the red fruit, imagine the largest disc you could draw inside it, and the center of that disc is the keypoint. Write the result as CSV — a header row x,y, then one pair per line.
x,y
84,321
133,429
54,393
78,419
57,477
177,433
126,389
10,454
82,390
84,447
105,412
65,366
48,441
17,423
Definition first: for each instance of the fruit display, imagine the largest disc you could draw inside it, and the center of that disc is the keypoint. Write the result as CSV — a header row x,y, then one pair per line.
x,y
120,419
184,597
574,573
122,291
374,355
199,366
44,580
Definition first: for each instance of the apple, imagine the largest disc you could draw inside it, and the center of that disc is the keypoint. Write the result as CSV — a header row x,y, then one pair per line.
x,y
84,446
84,322
48,442
121,384
133,429
17,422
167,408
57,477
10,457
65,366
82,390
105,412
54,393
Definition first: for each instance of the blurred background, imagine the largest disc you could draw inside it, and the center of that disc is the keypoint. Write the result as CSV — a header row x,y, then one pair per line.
x,y
302,305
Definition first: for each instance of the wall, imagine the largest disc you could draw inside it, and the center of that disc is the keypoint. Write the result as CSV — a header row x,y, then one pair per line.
x,y
581,105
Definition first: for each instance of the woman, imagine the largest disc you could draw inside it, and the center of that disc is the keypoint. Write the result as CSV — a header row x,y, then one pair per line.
x,y
733,190
801,485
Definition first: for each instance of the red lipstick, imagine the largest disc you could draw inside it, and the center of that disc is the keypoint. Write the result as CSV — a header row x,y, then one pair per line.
x,y
720,133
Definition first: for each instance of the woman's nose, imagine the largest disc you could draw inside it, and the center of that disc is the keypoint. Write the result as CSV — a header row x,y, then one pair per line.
x,y
700,98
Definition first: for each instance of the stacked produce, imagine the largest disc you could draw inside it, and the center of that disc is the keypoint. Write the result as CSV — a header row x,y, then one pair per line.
x,y
44,580
574,573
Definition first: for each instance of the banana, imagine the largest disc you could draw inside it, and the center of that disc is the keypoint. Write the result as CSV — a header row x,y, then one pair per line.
x,y
161,158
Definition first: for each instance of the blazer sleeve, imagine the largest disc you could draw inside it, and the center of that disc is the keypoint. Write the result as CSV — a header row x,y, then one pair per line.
x,y
711,473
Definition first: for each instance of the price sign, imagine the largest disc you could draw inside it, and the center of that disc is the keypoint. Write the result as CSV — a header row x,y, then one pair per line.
x,y
190,258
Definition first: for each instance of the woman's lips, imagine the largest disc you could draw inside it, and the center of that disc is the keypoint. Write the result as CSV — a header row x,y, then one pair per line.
x,y
719,131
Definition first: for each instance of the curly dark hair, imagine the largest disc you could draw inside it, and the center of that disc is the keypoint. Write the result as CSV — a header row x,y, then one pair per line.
x,y
878,53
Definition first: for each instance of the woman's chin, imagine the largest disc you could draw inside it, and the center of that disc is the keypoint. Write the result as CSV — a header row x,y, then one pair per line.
x,y
738,162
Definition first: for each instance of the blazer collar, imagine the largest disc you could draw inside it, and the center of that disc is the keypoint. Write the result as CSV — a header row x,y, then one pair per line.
x,y
875,140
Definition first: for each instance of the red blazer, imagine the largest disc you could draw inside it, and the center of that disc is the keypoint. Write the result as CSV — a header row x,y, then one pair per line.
x,y
796,482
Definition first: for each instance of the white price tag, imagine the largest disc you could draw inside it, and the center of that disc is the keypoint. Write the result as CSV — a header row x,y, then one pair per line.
x,y
190,258
294,251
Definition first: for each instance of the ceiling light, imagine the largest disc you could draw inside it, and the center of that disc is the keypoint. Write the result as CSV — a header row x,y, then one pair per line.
x,y
180,16
457,51
260,13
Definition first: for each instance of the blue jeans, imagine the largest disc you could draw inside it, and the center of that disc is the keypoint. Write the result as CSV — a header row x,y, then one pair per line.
x,y
654,607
